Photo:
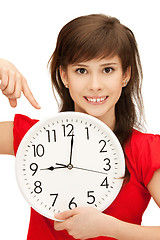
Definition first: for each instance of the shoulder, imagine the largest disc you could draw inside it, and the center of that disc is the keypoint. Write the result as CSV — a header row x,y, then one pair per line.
x,y
23,122
20,118
143,155
140,140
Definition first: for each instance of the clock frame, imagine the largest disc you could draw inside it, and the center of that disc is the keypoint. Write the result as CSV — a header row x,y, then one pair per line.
x,y
69,160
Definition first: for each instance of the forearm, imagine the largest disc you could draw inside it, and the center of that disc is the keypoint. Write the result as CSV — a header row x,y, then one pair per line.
x,y
126,231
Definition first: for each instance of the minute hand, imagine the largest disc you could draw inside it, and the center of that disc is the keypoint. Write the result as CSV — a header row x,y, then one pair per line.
x,y
85,169
70,162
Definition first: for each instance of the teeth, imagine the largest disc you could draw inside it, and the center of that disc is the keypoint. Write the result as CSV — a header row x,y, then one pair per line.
x,y
96,99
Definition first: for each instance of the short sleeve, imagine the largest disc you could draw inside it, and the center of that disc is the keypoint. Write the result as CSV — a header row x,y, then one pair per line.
x,y
22,124
149,157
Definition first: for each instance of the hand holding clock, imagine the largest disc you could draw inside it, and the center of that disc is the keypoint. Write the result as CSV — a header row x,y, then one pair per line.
x,y
85,222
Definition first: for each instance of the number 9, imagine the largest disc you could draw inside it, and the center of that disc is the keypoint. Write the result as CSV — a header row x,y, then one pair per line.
x,y
34,168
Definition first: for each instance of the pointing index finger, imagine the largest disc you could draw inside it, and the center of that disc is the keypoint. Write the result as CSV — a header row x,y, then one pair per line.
x,y
28,94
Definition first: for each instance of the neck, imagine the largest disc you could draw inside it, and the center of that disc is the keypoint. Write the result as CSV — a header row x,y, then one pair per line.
x,y
109,122
109,118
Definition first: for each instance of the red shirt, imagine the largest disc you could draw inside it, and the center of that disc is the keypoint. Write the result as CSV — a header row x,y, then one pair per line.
x,y
143,158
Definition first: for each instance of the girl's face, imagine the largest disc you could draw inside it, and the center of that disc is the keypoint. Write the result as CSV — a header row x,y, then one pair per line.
x,y
95,86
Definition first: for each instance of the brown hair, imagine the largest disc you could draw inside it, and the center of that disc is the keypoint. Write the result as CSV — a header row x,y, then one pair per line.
x,y
98,36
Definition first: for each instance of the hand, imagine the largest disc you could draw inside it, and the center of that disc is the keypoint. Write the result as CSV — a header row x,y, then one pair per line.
x,y
12,83
70,163
53,168
84,169
81,223
90,170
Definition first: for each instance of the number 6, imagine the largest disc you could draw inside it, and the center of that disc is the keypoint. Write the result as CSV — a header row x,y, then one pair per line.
x,y
72,203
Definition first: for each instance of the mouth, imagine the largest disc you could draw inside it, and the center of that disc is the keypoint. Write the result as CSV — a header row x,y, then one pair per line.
x,y
96,100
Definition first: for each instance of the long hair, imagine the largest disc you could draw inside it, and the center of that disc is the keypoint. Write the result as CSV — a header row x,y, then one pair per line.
x,y
98,36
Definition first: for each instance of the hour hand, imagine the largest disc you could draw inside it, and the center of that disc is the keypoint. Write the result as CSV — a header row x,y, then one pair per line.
x,y
69,166
62,165
53,168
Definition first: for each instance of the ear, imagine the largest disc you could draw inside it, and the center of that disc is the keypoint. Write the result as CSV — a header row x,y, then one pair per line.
x,y
126,76
64,77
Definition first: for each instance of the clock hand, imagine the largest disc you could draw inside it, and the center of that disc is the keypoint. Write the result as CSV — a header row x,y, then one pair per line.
x,y
69,166
60,164
85,169
70,162
53,168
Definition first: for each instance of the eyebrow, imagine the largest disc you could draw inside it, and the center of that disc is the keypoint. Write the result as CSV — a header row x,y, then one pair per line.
x,y
102,65
107,64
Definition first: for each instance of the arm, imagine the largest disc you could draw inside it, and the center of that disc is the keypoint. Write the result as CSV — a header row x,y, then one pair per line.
x,y
6,138
124,230
87,223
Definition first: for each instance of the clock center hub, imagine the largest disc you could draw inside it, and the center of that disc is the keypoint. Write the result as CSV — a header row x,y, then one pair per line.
x,y
69,166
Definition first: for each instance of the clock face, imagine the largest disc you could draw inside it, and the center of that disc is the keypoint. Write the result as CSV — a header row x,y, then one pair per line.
x,y
67,161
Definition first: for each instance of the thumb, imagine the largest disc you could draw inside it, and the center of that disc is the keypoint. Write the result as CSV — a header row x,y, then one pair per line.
x,y
64,215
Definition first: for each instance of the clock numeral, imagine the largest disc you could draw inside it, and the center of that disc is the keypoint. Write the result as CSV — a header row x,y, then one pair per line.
x,y
34,168
38,150
49,135
107,164
70,130
105,183
91,196
103,146
87,133
72,204
37,188
55,197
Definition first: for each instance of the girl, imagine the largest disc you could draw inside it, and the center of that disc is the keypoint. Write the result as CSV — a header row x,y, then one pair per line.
x,y
96,69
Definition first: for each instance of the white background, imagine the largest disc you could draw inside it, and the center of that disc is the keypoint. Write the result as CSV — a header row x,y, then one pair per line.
x,y
28,32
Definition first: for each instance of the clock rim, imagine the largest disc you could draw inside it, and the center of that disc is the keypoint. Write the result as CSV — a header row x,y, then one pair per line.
x,y
49,119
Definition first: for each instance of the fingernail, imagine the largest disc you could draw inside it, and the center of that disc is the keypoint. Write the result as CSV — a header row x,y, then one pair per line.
x,y
57,214
38,106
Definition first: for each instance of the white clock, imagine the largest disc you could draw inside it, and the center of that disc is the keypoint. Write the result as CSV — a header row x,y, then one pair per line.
x,y
67,161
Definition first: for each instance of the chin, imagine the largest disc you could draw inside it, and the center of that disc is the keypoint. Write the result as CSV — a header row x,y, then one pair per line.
x,y
96,114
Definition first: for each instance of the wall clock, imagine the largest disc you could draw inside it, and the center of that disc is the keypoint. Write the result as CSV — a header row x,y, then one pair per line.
x,y
67,161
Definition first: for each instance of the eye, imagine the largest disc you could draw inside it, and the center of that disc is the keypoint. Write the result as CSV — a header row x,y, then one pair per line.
x,y
81,70
108,70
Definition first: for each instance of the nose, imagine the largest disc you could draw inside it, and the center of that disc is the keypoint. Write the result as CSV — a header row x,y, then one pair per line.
x,y
95,83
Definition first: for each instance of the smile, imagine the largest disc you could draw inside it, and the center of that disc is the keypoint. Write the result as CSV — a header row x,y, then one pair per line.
x,y
96,99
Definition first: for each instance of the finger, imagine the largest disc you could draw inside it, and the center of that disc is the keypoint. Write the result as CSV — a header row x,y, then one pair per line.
x,y
9,90
28,94
4,80
61,224
17,90
13,102
64,215
58,226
